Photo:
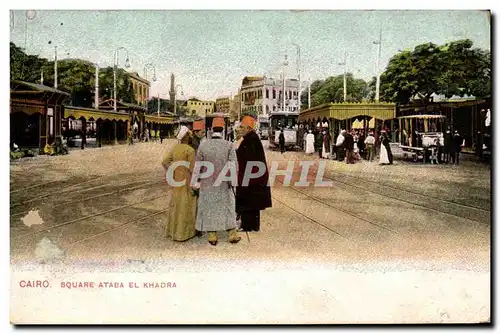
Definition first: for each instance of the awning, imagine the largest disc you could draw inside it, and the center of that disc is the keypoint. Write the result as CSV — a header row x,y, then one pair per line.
x,y
357,124
343,111
27,108
94,114
160,120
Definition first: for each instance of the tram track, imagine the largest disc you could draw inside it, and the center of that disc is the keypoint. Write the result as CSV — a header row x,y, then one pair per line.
x,y
121,190
80,219
402,199
67,190
473,207
130,222
347,212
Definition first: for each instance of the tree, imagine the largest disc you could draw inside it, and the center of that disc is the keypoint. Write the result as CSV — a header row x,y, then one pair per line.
x,y
452,69
332,90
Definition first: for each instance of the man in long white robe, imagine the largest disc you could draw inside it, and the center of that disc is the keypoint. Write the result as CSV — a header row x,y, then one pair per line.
x,y
310,143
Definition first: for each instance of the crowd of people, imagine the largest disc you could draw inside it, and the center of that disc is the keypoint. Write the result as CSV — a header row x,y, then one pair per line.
x,y
205,206
349,146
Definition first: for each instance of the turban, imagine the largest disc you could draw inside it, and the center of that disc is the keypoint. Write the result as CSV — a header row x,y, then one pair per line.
x,y
248,121
198,125
182,132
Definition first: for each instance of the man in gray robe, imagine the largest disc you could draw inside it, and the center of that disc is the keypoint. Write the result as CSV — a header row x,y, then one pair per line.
x,y
216,204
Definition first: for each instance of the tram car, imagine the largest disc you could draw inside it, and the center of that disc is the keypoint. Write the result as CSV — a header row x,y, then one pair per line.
x,y
263,127
208,123
421,135
285,121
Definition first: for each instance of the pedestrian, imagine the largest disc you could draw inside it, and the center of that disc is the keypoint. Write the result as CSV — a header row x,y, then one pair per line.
x,y
339,145
304,140
162,133
361,144
349,147
310,143
458,143
448,146
216,202
325,150
256,196
182,208
387,144
282,141
318,141
370,146
385,155
300,137
198,133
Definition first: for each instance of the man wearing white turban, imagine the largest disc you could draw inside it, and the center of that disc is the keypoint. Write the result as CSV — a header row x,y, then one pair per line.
x,y
182,210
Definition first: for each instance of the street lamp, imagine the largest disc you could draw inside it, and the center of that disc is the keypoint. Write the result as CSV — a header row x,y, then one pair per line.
x,y
345,74
285,64
377,89
298,71
127,65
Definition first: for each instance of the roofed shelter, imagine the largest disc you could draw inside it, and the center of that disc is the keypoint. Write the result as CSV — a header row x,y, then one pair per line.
x,y
36,112
345,115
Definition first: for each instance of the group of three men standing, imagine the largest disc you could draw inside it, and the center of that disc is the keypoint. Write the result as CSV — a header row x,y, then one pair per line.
x,y
209,207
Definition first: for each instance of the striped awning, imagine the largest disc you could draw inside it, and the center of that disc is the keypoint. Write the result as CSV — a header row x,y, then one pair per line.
x,y
94,114
160,120
343,111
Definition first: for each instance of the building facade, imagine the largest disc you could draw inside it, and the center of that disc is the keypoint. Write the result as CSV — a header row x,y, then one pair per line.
x,y
261,95
200,108
222,105
141,89
234,108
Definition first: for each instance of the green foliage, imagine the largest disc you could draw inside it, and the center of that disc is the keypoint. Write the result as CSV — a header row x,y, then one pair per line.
x,y
452,69
332,90
74,76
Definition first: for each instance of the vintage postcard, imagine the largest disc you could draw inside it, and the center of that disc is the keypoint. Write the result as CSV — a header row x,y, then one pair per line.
x,y
250,166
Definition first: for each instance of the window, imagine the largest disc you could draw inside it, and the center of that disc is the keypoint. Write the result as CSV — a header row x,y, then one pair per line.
x,y
274,93
267,93
267,109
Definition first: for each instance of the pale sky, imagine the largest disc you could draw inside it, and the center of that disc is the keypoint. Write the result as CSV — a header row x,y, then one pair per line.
x,y
211,51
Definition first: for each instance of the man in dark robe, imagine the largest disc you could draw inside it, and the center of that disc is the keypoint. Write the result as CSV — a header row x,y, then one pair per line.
x,y
256,196
318,142
282,141
448,146
457,147
349,147
361,144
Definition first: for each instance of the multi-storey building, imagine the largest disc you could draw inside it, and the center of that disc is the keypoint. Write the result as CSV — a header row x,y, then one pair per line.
x,y
261,95
222,105
200,108
234,108
141,89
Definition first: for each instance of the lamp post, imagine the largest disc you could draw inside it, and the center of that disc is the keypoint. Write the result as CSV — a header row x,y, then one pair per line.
x,y
127,65
298,72
285,64
345,74
377,89
175,97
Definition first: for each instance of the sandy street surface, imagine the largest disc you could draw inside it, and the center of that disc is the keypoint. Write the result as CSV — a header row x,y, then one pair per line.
x,y
407,243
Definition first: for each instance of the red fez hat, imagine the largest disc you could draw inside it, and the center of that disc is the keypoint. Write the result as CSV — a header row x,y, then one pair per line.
x,y
218,122
198,125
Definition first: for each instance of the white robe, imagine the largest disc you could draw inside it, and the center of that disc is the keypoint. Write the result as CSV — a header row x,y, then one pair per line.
x,y
310,144
384,157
